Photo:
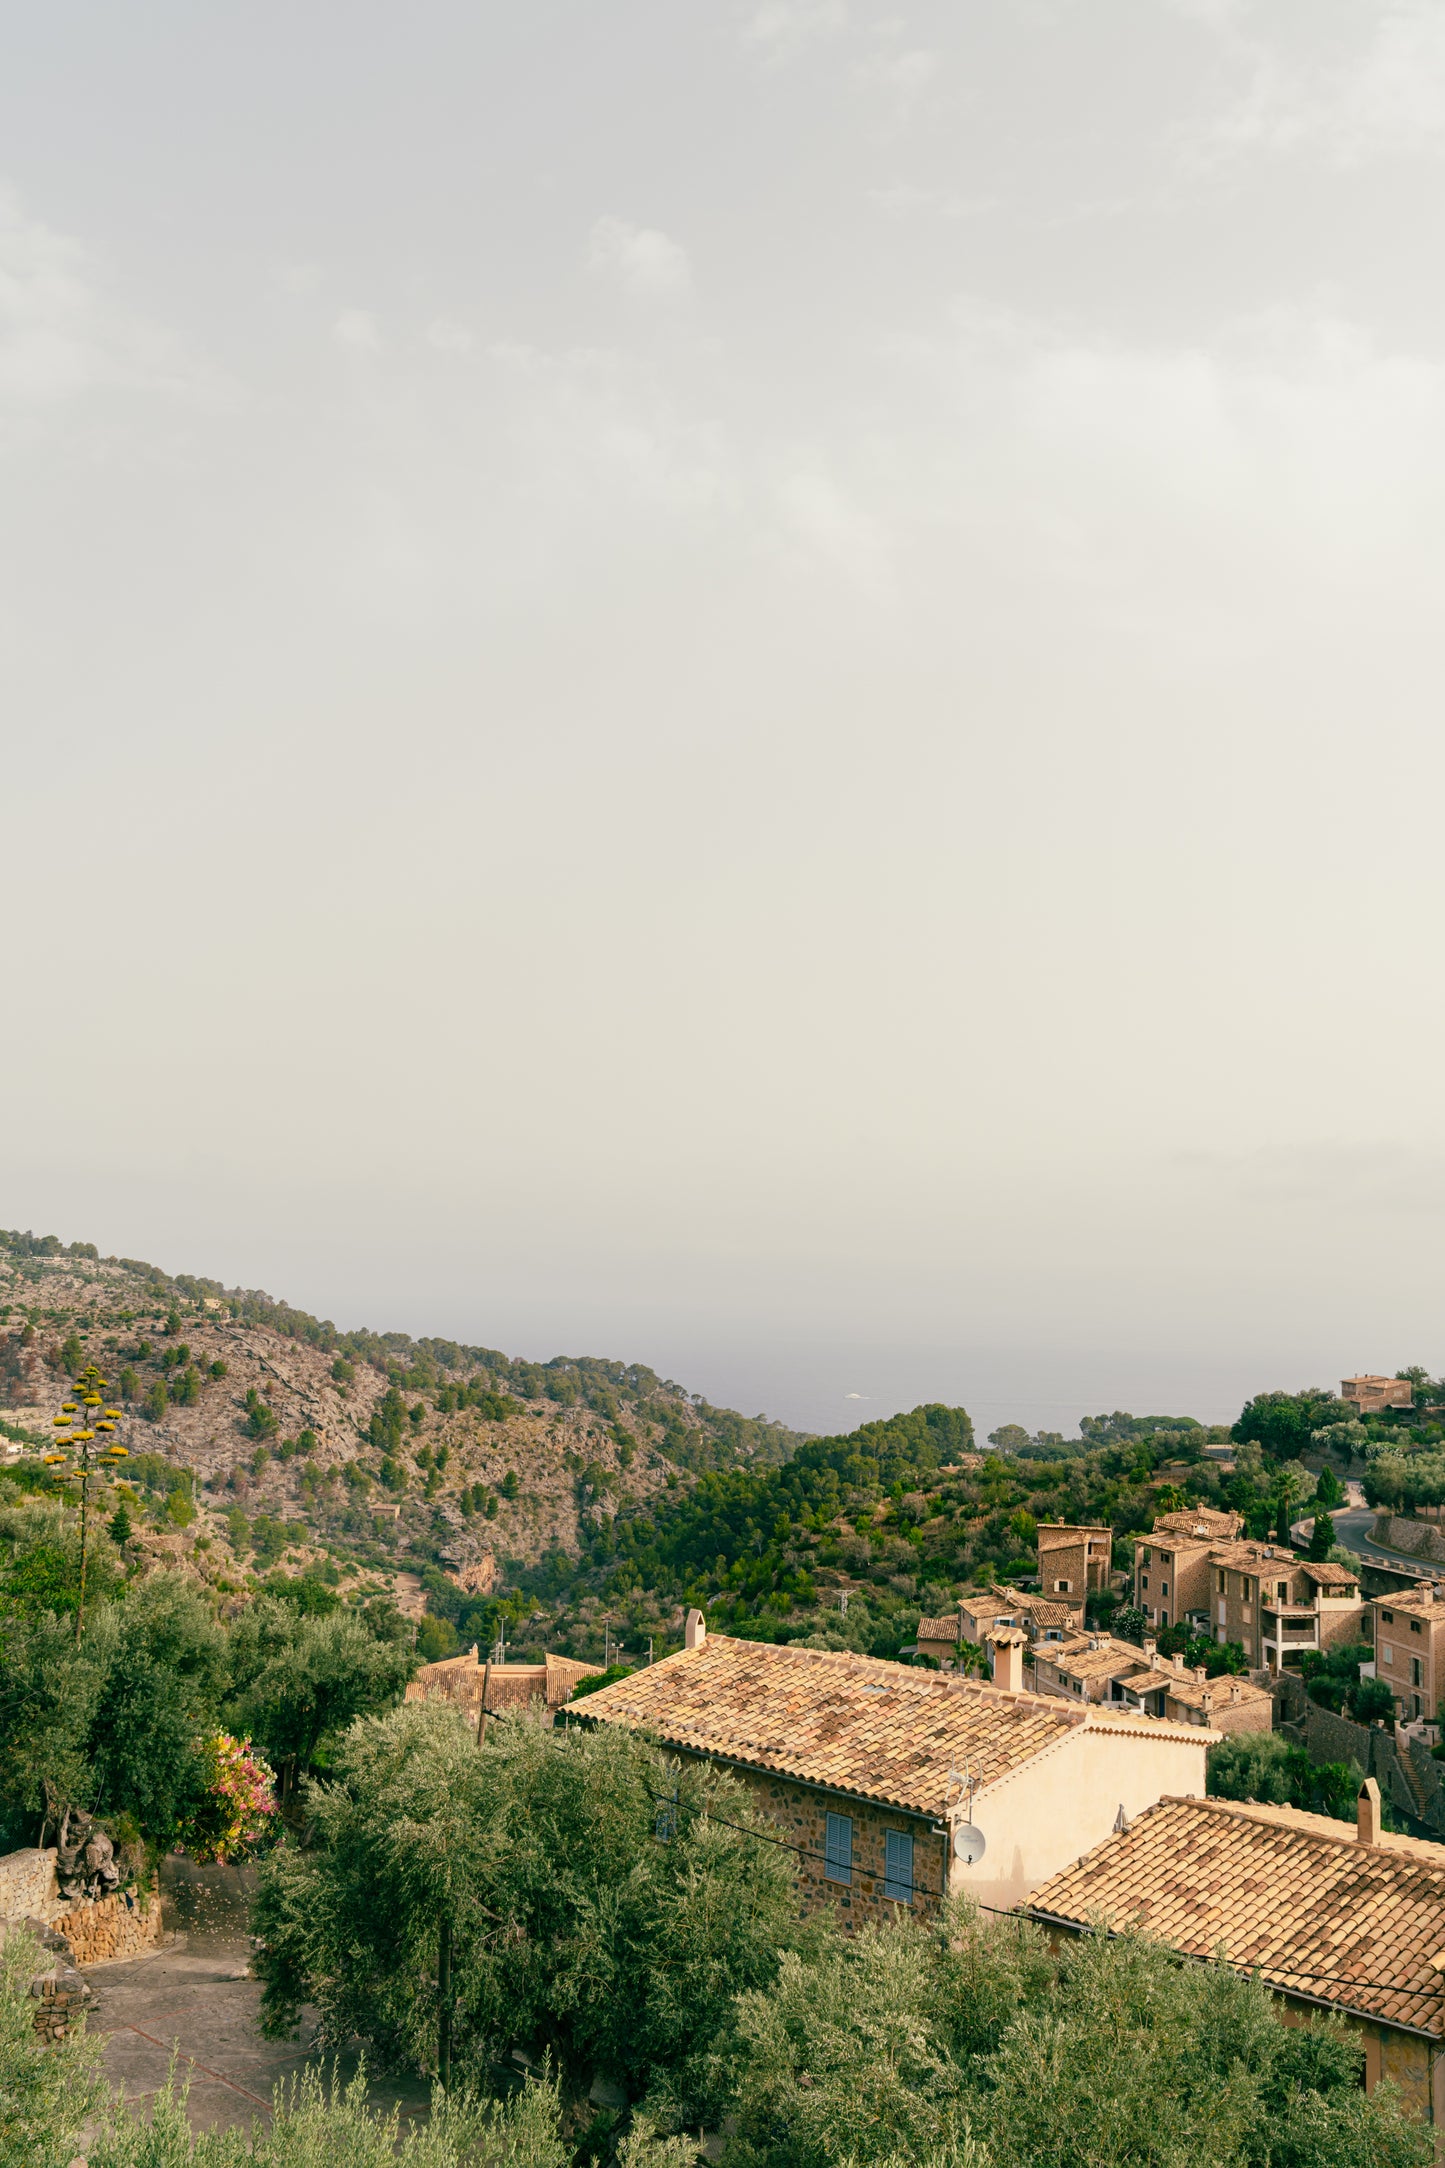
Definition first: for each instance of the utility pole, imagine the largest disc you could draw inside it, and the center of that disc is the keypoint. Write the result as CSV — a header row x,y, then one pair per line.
x,y
444,2000
482,1719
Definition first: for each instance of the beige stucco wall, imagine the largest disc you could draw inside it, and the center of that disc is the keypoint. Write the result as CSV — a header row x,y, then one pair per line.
x,y
1062,1803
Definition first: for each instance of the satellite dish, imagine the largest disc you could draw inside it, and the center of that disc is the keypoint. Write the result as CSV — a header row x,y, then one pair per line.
x,y
968,1844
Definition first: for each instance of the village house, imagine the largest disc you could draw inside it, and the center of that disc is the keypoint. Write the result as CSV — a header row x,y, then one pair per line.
x,y
1370,1395
1331,1917
1100,1668
978,1614
1225,1704
1274,1603
461,1681
1074,1563
1409,1636
1171,1565
894,1783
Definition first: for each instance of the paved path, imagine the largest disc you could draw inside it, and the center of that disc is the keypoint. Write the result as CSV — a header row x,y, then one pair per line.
x,y
191,2001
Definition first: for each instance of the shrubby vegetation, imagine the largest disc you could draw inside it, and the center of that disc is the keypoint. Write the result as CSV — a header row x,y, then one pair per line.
x,y
122,1721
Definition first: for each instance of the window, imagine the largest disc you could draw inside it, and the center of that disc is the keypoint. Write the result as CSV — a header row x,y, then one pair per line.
x,y
898,1867
1414,1626
1143,1580
1148,1557
1163,1588
1414,1671
1388,1617
1221,1580
1061,1588
838,1848
1282,1591
1387,1655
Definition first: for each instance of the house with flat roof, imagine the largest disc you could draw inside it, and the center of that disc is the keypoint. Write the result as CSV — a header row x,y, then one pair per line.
x,y
1331,1916
871,1769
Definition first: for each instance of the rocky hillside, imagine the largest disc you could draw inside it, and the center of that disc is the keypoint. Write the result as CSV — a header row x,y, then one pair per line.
x,y
260,1436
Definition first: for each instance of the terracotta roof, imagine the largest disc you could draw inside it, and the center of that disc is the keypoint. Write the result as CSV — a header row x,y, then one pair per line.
x,y
1269,1888
459,1680
1193,1693
1328,1574
851,1723
1262,1558
1415,1602
1192,1520
1079,1660
1042,1609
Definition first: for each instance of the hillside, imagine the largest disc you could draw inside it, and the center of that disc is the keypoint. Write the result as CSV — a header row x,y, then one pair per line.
x,y
578,1504
363,1453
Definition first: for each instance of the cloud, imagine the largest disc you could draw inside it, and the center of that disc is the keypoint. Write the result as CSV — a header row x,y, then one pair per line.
x,y
61,334
1386,101
643,261
904,74
781,29
357,328
449,337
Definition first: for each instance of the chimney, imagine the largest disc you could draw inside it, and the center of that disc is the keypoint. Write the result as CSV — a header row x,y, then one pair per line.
x,y
1151,1649
1234,1693
1007,1650
1367,1813
694,1632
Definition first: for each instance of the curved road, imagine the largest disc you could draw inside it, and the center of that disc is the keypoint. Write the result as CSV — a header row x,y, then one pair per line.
x,y
1353,1525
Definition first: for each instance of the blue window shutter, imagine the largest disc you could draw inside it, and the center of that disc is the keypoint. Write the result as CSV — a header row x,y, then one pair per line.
x,y
838,1848
898,1867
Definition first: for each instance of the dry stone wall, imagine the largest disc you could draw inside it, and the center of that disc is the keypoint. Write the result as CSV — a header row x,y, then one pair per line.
x,y
126,1924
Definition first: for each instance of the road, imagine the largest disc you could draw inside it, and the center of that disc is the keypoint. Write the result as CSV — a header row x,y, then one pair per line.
x,y
1354,1524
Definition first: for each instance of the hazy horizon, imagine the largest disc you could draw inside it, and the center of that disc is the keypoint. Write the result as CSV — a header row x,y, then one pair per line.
x,y
753,688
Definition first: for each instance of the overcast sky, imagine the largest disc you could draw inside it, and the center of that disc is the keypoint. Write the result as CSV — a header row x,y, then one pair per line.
x,y
754,686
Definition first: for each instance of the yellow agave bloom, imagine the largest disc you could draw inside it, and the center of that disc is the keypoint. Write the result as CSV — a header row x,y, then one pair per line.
x,y
121,1452
68,1406
53,1456
61,1420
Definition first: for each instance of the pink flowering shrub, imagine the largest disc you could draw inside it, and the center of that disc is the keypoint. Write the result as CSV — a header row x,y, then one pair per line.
x,y
237,1803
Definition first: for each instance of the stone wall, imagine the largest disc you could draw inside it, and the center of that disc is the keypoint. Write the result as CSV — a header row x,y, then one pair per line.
x,y
800,1815
27,1884
124,1925
1419,1539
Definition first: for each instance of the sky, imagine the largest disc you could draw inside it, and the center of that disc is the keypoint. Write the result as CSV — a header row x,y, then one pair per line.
x,y
754,687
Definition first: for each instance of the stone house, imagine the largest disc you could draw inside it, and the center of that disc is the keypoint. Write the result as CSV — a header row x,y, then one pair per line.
x,y
870,1769
1274,1603
1371,1395
1409,1635
1224,1704
1331,1917
980,1613
1074,1563
460,1680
